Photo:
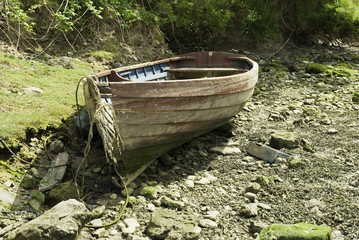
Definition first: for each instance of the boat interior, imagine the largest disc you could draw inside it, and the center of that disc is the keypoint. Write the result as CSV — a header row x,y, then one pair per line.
x,y
200,65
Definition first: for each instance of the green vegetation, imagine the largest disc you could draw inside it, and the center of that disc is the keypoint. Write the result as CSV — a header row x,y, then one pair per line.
x,y
341,69
302,231
103,55
184,23
20,111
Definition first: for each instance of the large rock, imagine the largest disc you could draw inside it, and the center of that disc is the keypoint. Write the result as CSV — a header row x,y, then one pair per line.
x,y
299,231
167,224
64,221
64,62
287,140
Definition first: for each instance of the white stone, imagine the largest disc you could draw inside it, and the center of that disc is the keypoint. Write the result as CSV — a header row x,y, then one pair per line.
x,y
99,232
251,196
151,207
210,177
337,235
332,131
128,230
113,196
33,90
207,223
203,153
264,206
131,222
96,222
226,150
191,177
212,215
203,181
98,212
189,183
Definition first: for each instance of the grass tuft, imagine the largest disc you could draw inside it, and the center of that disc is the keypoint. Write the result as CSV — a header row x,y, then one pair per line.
x,y
20,111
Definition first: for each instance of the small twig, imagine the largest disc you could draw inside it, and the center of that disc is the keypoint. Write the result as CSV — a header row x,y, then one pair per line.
x,y
69,42
52,41
290,35
19,36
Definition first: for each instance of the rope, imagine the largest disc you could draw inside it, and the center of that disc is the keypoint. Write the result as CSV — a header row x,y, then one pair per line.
x,y
78,106
97,118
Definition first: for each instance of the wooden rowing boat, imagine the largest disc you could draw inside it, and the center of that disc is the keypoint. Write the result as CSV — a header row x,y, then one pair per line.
x,y
143,111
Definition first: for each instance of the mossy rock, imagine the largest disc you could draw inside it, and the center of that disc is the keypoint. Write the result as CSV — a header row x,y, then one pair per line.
x,y
299,231
168,224
37,201
63,192
150,191
311,111
355,57
287,140
264,180
296,162
355,97
132,201
28,182
256,91
316,68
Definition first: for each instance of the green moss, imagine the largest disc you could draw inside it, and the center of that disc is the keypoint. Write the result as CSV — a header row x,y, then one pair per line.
x,y
103,55
355,97
346,65
264,180
148,191
28,182
296,162
341,69
7,168
268,69
316,68
256,91
292,107
63,192
299,231
132,201
355,57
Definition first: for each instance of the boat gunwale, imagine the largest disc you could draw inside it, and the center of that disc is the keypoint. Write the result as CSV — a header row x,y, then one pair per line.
x,y
250,72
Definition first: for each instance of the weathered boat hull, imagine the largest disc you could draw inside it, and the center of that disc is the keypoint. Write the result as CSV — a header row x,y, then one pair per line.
x,y
140,120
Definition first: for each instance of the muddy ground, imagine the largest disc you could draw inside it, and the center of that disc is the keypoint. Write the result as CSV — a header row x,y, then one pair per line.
x,y
321,188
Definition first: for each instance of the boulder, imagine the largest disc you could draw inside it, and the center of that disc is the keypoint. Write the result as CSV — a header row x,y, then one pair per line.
x,y
167,224
287,140
64,221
